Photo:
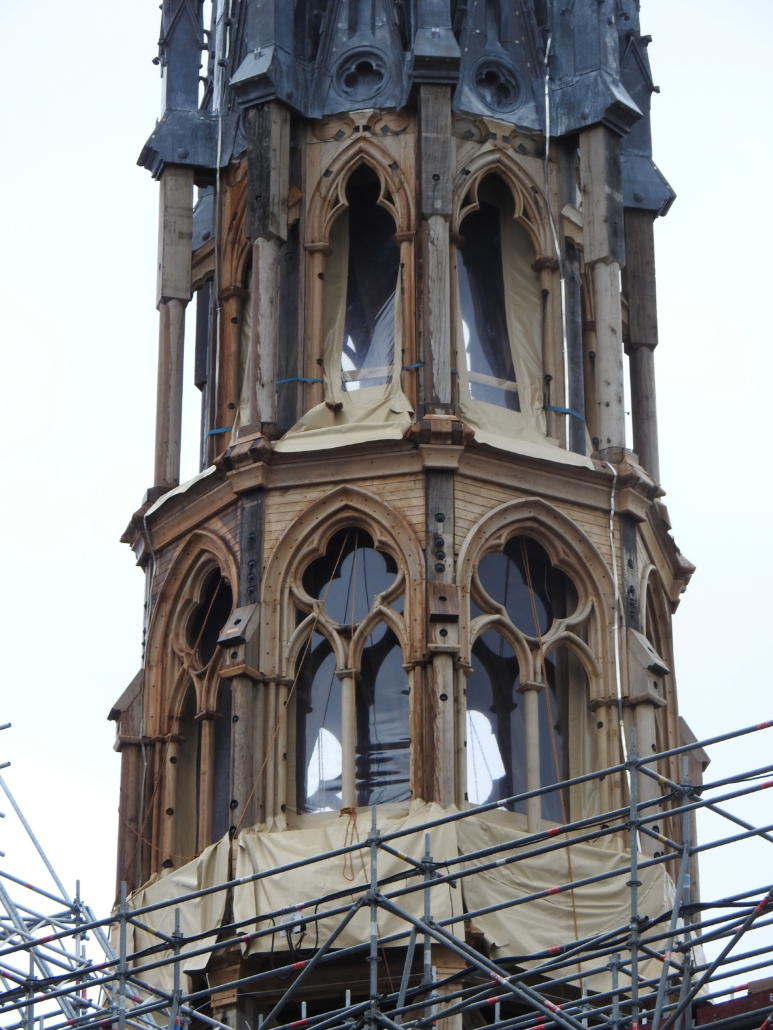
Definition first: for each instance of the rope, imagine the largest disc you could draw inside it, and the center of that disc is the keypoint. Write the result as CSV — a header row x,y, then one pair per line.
x,y
351,834
527,569
282,714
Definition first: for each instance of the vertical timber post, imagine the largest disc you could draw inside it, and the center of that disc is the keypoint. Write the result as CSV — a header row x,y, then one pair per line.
x,y
435,196
268,170
601,175
639,282
247,754
173,292
443,643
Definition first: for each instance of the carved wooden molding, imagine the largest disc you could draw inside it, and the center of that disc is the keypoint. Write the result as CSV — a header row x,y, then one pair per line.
x,y
329,197
528,196
307,539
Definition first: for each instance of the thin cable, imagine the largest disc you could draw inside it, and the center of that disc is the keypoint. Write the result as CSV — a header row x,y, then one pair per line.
x,y
554,232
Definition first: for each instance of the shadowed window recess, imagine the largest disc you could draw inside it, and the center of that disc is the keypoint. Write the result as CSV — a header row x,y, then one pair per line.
x,y
351,725
368,342
489,360
209,617
521,585
202,764
499,319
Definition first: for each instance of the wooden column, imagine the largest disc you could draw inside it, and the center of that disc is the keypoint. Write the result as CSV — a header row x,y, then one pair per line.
x,y
169,838
130,806
156,804
206,778
531,692
644,713
601,177
348,738
268,164
232,300
550,289
604,714
247,743
442,613
435,198
173,292
639,284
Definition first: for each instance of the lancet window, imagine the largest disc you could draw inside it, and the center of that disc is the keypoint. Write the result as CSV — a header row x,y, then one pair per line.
x,y
499,306
528,722
371,257
352,694
199,759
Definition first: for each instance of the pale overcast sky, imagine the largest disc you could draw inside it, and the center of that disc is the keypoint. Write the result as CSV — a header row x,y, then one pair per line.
x,y
78,332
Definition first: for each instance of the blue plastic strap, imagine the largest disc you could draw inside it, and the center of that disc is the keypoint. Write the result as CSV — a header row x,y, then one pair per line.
x,y
215,432
565,411
297,379
407,368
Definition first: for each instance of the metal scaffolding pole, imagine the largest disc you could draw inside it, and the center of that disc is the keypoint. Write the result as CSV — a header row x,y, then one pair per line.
x,y
49,983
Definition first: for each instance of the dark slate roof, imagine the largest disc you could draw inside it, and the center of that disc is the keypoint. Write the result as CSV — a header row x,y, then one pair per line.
x,y
324,57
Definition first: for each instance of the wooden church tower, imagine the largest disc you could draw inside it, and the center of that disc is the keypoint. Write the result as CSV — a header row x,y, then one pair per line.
x,y
420,562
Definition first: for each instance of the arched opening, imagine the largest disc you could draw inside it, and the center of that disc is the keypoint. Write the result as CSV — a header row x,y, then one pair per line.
x,y
209,617
499,302
364,304
496,743
318,730
188,762
349,575
521,579
383,762
526,733
352,738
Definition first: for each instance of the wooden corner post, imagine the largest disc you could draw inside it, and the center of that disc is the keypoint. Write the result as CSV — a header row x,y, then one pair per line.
x,y
639,282
601,177
175,233
268,178
435,198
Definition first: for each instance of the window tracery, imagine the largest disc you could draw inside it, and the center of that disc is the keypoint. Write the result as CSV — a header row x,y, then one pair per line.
x,y
528,722
199,752
352,704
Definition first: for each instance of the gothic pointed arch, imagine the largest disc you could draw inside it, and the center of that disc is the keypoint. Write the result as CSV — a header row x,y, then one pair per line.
x,y
528,196
329,197
572,552
307,539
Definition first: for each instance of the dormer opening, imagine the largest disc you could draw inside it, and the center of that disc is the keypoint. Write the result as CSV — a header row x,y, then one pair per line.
x,y
372,261
499,297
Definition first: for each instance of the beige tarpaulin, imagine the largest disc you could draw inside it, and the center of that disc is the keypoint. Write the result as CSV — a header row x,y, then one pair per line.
x,y
209,869
547,922
524,431
532,927
259,851
349,416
